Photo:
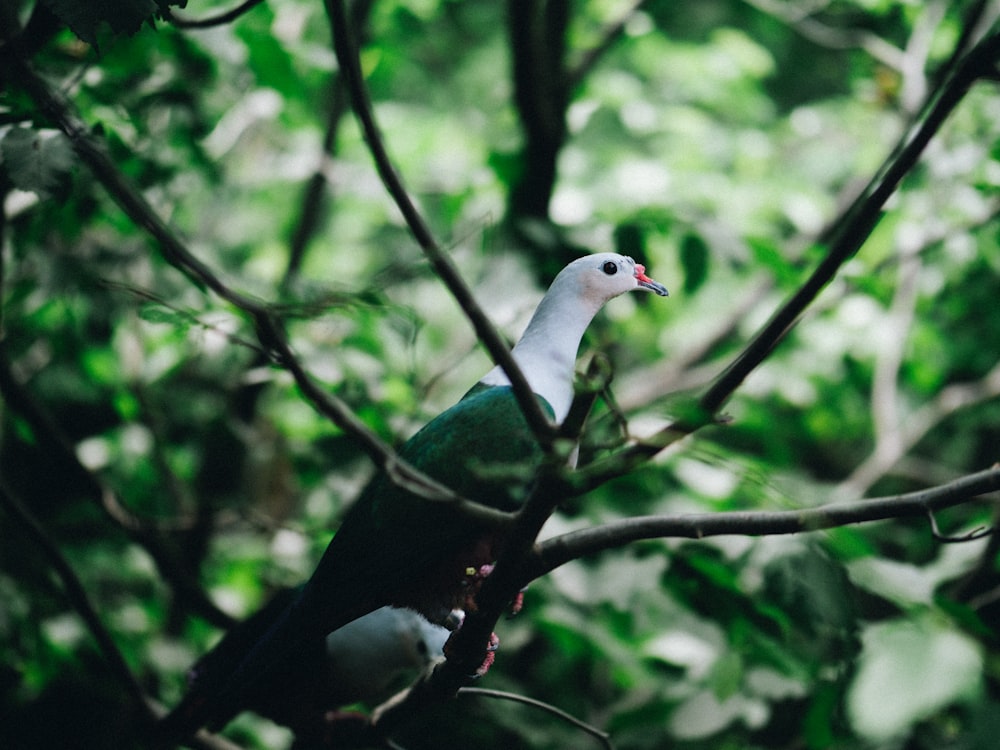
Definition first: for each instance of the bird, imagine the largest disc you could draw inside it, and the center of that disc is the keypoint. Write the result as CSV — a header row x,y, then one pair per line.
x,y
394,547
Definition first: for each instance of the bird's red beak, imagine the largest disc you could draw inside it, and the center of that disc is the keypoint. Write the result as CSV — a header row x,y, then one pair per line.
x,y
647,283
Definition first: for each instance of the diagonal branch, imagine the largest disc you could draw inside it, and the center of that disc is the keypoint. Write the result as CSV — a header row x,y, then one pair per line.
x,y
575,75
347,57
857,223
76,594
268,326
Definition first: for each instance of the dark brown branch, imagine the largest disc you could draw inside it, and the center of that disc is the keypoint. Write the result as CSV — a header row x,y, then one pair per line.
x,y
217,20
317,186
76,594
60,451
857,223
269,328
537,34
350,65
559,550
600,736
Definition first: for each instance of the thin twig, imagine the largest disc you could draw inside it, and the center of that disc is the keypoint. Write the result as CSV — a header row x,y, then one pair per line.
x,y
980,532
217,20
602,737
574,76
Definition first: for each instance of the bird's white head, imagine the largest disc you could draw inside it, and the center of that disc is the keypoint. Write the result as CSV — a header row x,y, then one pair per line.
x,y
547,351
600,277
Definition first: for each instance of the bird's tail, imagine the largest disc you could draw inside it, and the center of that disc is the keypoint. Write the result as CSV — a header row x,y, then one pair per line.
x,y
224,681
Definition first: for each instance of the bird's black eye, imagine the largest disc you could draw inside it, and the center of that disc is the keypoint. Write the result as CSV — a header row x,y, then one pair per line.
x,y
610,268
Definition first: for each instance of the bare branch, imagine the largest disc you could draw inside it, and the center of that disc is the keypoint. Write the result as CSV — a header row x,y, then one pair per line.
x,y
559,550
575,75
890,450
802,21
217,20
971,536
860,219
317,186
76,594
600,736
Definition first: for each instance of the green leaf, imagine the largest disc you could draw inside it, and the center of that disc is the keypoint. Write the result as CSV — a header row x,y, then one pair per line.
x,y
694,259
84,17
910,669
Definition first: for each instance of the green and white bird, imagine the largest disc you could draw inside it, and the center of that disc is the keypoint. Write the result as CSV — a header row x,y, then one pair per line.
x,y
397,548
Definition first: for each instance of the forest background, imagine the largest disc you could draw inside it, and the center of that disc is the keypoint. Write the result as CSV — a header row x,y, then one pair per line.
x,y
180,194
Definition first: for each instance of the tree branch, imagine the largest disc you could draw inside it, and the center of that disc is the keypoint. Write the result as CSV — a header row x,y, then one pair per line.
x,y
576,74
526,561
537,34
843,240
76,594
857,223
216,20
347,57
599,736
268,326
561,549
317,186
888,451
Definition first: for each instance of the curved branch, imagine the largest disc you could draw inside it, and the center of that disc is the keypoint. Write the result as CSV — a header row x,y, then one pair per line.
x,y
600,736
76,594
561,549
347,58
217,20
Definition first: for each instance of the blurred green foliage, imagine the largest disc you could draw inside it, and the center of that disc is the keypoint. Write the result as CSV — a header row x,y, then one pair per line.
x,y
712,140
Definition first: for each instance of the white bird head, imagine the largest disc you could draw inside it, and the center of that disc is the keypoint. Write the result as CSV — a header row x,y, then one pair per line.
x,y
547,351
603,276
600,277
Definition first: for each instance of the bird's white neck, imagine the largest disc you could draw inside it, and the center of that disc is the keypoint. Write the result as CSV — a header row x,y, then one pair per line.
x,y
547,350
